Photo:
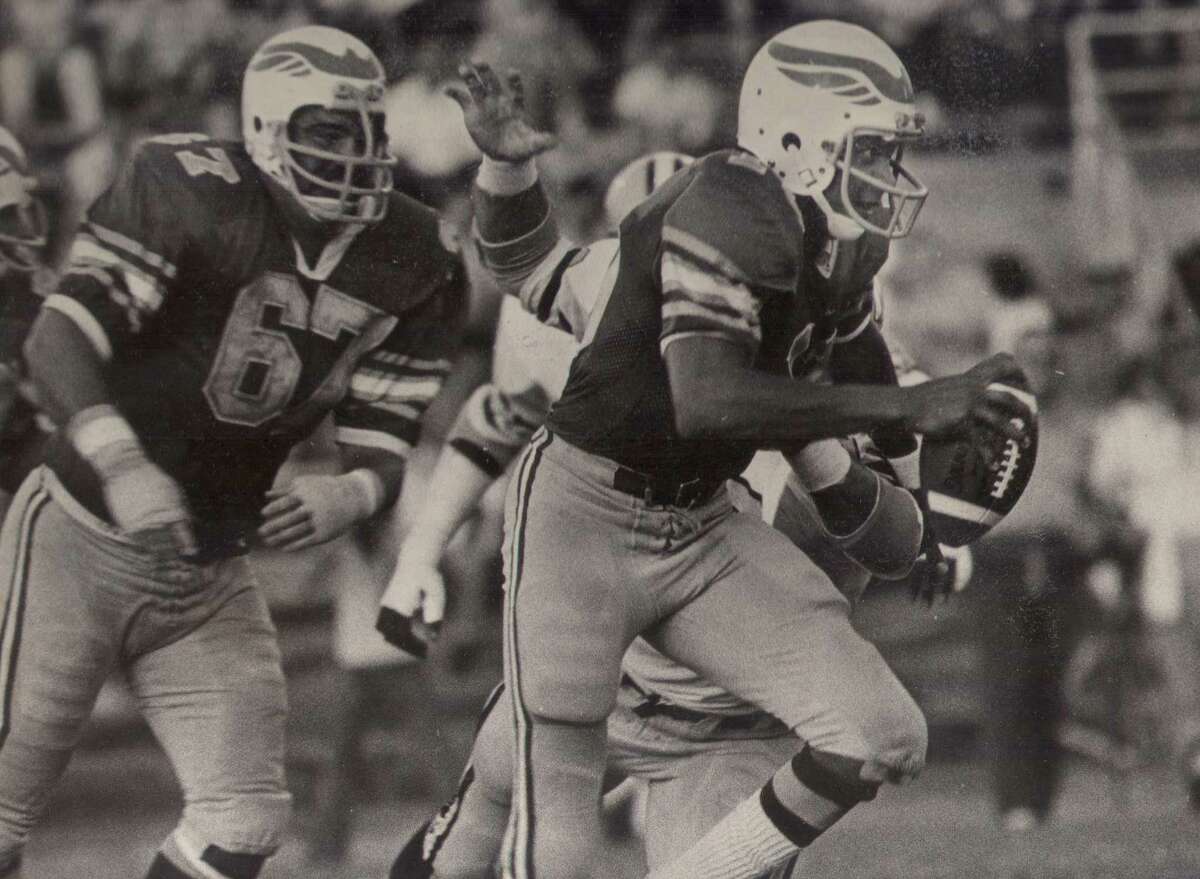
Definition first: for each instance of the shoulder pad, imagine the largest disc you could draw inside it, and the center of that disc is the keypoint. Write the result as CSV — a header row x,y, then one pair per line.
x,y
197,162
743,159
415,227
731,189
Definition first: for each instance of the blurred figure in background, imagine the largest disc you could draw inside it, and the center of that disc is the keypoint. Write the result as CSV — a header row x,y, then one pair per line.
x,y
51,100
24,282
1142,472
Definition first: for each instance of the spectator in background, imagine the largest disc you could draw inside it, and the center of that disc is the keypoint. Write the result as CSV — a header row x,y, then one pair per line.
x,y
50,98
1020,322
1142,471
1026,568
162,64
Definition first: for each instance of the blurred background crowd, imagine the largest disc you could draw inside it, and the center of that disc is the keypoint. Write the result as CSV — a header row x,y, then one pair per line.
x,y
1063,225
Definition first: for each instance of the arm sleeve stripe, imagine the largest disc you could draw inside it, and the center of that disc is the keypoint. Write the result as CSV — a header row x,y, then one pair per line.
x,y
673,298
691,312
513,261
372,439
409,411
546,301
441,366
705,253
691,334
480,457
145,288
116,239
371,386
681,273
84,320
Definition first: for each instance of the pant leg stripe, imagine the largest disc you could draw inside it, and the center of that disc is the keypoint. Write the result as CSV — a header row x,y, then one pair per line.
x,y
14,608
520,844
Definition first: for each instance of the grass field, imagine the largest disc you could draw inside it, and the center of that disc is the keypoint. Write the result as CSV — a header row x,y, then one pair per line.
x,y
116,804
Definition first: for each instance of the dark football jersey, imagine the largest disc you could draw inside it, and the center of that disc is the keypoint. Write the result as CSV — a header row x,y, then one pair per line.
x,y
21,438
21,297
225,346
718,251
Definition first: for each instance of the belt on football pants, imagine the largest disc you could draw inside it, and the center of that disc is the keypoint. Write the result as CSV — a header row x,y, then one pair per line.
x,y
652,705
665,493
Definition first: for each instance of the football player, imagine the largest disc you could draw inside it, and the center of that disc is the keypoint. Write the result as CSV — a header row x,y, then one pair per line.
x,y
24,279
730,282
221,299
670,728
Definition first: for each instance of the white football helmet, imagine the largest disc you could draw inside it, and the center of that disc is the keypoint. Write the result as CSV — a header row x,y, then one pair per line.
x,y
638,179
807,94
22,217
315,66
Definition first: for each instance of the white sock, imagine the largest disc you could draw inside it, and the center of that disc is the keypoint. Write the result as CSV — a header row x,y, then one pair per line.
x,y
742,845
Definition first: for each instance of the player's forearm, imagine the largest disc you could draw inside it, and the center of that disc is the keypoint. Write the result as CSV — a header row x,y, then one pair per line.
x,y
866,359
460,485
779,411
513,222
66,371
717,395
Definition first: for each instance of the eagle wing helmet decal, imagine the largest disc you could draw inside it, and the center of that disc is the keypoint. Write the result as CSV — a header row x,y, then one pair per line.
x,y
806,96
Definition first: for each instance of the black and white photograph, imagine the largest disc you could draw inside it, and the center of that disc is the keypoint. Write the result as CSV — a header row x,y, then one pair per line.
x,y
600,439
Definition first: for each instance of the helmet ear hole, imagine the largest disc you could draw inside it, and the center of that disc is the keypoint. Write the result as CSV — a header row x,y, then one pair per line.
x,y
789,141
258,123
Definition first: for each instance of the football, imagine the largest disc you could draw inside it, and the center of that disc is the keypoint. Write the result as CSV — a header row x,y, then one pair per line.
x,y
974,481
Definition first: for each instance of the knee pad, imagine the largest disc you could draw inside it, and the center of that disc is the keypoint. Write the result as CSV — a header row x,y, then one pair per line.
x,y
833,777
898,748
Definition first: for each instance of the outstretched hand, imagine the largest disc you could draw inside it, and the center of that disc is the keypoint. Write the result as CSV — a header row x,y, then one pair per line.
x,y
494,112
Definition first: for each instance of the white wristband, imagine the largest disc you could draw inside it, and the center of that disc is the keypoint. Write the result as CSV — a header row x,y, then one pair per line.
x,y
371,487
506,178
821,464
98,426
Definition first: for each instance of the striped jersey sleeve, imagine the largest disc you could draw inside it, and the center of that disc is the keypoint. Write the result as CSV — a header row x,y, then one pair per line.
x,y
731,241
393,385
123,261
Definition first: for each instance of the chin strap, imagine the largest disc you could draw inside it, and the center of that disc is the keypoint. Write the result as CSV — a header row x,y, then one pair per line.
x,y
840,226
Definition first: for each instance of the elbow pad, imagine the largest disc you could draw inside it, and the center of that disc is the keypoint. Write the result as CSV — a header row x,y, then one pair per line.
x,y
888,542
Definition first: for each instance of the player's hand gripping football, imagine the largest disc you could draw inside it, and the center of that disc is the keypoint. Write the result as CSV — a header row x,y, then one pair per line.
x,y
494,112
412,607
311,510
970,399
